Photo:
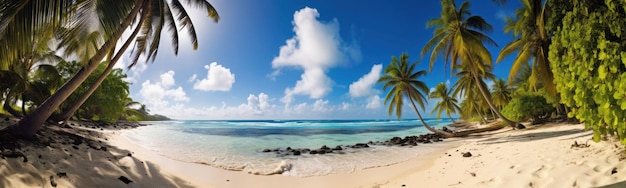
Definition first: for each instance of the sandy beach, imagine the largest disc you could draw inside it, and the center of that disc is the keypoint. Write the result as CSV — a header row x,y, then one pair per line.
x,y
540,156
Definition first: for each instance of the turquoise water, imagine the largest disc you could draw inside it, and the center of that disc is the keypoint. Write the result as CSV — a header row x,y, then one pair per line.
x,y
238,145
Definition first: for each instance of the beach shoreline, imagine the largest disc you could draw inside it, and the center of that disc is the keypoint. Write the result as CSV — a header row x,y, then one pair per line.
x,y
540,156
202,175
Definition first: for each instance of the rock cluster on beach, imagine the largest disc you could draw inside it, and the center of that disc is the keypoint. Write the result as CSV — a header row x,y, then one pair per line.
x,y
409,141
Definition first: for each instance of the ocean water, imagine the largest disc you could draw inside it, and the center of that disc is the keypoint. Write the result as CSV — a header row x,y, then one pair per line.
x,y
238,145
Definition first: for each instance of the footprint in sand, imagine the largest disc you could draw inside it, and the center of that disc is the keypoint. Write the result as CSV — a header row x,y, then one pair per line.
x,y
542,172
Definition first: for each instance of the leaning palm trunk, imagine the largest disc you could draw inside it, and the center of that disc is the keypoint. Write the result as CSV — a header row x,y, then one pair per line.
x,y
69,113
446,134
493,127
30,124
486,97
451,119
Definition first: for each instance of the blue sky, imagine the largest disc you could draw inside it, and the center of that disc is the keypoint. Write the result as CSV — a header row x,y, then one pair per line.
x,y
300,59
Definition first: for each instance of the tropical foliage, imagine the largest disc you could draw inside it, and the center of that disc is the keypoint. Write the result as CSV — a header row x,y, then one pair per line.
x,y
459,38
589,55
401,78
527,107
500,93
21,20
446,101
531,44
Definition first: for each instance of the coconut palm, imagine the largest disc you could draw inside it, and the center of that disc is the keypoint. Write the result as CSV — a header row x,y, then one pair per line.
x,y
447,102
402,80
460,39
466,87
114,18
151,23
501,93
531,45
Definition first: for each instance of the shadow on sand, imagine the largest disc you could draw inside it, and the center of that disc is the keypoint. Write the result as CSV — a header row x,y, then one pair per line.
x,y
74,157
526,137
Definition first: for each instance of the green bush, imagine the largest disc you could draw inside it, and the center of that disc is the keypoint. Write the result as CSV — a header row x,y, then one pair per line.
x,y
588,58
527,106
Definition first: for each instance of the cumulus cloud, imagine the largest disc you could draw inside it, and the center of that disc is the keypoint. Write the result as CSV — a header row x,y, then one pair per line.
x,y
364,86
218,78
374,102
321,106
159,92
193,78
315,48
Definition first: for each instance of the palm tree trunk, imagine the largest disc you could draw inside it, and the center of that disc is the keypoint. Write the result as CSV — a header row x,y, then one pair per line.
x,y
489,102
7,106
30,124
479,113
451,119
444,133
449,116
23,104
69,113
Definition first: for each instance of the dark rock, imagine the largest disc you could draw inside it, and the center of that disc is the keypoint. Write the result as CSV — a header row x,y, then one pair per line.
x,y
62,174
444,128
324,147
467,154
321,151
124,179
313,152
52,182
75,147
361,145
288,149
296,152
13,154
614,171
338,148
103,148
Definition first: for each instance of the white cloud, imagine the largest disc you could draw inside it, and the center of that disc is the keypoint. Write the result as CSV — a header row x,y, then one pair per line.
x,y
158,93
193,78
345,106
374,102
321,106
316,47
364,86
218,78
167,79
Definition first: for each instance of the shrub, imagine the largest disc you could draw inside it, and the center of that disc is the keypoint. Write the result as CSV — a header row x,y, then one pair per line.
x,y
527,106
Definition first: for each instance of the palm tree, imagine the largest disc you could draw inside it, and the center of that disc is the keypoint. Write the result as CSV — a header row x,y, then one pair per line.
x,y
501,93
459,38
447,102
531,44
466,86
114,18
402,79
149,22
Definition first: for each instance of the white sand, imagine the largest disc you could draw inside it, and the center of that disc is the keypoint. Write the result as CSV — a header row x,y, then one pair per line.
x,y
540,156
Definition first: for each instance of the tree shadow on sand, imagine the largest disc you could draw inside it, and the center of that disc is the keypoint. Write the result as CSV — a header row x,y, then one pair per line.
x,y
526,137
74,157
